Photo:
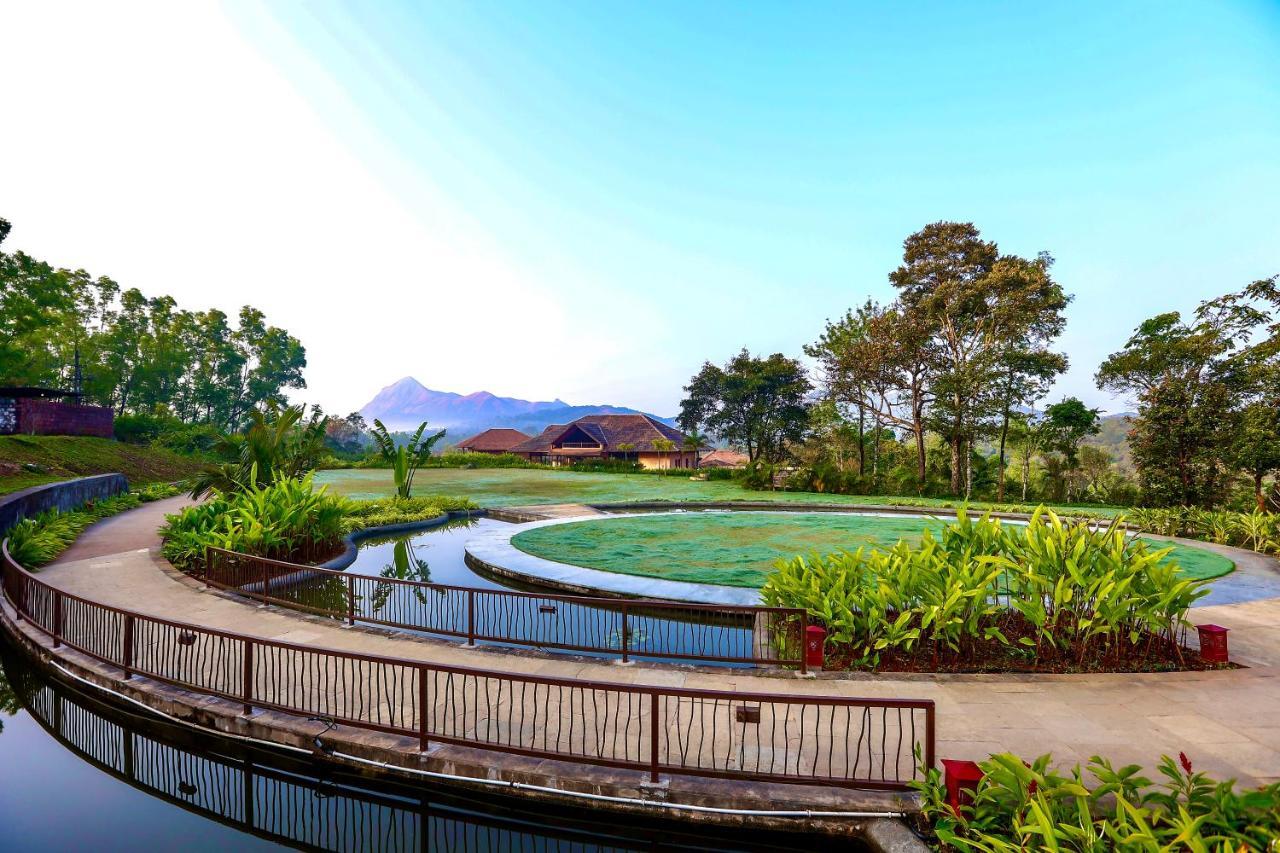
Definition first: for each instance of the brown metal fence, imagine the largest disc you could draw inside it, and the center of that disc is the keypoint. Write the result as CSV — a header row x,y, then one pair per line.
x,y
627,628
825,740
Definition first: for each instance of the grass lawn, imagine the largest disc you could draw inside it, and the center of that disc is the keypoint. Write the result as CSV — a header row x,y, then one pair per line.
x,y
498,487
32,460
739,548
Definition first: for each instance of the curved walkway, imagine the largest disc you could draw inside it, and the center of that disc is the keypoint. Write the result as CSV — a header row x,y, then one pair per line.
x,y
1228,722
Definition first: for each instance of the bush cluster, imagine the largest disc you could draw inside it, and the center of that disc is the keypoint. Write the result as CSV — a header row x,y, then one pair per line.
x,y
1069,592
388,511
36,541
1258,531
1021,806
287,519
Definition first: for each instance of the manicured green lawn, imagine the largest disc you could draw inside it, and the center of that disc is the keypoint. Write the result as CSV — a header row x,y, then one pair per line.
x,y
498,487
740,548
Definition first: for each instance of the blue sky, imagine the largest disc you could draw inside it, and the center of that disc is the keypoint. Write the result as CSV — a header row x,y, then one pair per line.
x,y
666,183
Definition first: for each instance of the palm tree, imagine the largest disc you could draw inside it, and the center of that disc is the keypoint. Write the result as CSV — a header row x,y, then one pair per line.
x,y
407,458
695,441
663,446
625,448
276,445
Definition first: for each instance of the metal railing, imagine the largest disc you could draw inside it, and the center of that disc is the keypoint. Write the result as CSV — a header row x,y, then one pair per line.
x,y
624,627
787,738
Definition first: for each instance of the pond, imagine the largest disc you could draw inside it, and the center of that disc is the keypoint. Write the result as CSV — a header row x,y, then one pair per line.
x,y
437,555
79,773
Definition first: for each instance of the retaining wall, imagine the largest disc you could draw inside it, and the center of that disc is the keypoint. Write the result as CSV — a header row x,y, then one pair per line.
x,y
63,496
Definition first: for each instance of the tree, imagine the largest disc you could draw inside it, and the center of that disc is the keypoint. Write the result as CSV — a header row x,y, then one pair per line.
x,y
694,441
988,319
757,403
1066,424
875,361
1188,388
1029,308
278,444
941,285
406,458
663,446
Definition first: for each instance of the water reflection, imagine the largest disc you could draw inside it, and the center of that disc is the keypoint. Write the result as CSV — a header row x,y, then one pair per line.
x,y
243,796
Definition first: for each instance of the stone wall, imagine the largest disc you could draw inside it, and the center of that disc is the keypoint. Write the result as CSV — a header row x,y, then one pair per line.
x,y
45,417
8,416
63,496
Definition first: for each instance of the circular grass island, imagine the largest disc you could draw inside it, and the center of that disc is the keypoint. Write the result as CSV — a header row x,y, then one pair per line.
x,y
739,547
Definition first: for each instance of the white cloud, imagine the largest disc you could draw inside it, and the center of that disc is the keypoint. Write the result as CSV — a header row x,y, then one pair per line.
x,y
151,143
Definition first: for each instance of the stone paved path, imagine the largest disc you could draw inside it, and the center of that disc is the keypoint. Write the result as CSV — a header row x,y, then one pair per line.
x,y
1228,722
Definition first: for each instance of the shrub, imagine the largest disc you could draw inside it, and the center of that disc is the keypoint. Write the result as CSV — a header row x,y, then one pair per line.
x,y
1020,806
37,541
380,513
1258,531
1070,593
287,519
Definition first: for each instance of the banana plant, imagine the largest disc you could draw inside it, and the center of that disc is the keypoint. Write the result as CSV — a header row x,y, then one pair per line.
x,y
406,458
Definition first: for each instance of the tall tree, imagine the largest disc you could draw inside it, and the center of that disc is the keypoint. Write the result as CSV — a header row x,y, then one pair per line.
x,y
990,318
1192,382
757,403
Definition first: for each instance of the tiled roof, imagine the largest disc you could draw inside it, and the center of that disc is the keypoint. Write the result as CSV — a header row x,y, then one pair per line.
x,y
496,440
639,431
540,443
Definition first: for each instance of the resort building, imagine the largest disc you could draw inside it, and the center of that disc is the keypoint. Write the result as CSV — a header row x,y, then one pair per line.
x,y
723,458
493,441
634,438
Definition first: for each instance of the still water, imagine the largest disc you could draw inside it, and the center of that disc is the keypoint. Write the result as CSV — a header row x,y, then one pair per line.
x,y
437,555
80,774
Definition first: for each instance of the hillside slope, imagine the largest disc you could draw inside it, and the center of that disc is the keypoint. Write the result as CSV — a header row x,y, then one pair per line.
x,y
30,460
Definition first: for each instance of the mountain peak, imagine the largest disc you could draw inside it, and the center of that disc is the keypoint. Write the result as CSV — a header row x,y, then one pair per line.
x,y
407,402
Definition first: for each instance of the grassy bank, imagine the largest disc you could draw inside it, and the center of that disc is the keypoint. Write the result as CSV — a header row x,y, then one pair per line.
x,y
33,460
516,487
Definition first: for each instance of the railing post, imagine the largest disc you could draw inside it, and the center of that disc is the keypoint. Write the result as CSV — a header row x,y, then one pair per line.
x,y
422,709
929,746
626,632
208,566
266,583
653,736
246,689
57,619
804,636
351,600
471,617
128,647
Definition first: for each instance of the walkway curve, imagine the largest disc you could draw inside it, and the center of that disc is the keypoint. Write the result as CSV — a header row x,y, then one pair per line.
x,y
1227,721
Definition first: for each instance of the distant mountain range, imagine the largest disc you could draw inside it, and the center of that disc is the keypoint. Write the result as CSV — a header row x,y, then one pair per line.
x,y
407,403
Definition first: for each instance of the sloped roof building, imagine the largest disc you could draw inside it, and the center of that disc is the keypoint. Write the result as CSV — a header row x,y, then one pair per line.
x,y
635,438
496,440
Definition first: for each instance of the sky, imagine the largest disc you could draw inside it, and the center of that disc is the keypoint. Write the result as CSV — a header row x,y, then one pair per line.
x,y
587,200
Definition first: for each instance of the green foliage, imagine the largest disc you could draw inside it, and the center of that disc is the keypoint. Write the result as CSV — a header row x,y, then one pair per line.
x,y
34,542
1076,594
1020,806
277,445
1257,531
162,429
380,513
139,352
286,519
404,459
756,403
